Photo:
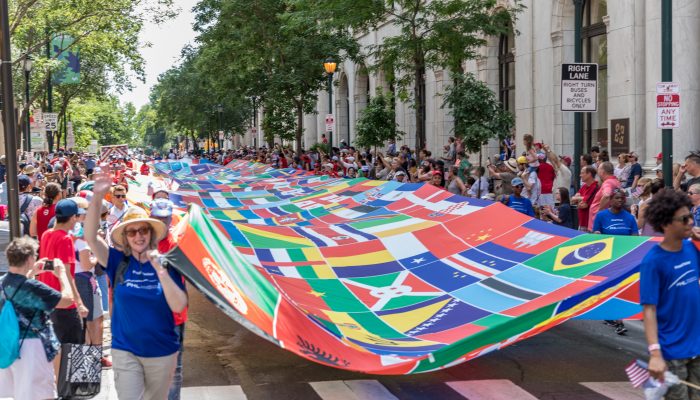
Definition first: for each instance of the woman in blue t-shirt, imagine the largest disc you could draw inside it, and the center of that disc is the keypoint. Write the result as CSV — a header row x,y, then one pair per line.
x,y
145,295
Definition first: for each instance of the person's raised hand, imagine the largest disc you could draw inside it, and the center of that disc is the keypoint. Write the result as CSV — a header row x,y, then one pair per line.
x,y
103,181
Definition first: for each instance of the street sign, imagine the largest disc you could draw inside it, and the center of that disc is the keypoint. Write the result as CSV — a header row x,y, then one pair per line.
x,y
330,122
579,87
51,121
37,138
70,136
668,105
221,135
93,147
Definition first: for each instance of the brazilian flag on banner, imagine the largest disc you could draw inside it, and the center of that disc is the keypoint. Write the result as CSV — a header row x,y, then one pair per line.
x,y
63,50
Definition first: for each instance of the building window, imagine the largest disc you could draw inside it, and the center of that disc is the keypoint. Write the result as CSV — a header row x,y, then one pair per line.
x,y
595,50
506,70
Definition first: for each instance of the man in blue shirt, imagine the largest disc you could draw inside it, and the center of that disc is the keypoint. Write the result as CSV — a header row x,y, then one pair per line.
x,y
670,294
517,202
616,220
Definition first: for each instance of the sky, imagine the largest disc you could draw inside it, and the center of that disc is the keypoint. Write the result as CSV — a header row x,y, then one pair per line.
x,y
166,42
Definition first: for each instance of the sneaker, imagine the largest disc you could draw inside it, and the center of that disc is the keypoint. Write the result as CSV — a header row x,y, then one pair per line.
x,y
610,322
621,330
106,362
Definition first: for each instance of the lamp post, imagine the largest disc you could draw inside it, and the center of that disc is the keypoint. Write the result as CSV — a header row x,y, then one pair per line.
x,y
254,99
28,64
10,125
220,110
329,65
667,76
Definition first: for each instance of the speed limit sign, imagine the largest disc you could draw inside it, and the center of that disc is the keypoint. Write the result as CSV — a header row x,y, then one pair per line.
x,y
51,121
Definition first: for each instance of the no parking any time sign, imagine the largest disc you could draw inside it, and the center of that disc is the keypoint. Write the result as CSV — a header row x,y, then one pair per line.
x,y
668,105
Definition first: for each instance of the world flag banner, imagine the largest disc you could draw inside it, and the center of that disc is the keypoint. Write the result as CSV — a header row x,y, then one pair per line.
x,y
388,277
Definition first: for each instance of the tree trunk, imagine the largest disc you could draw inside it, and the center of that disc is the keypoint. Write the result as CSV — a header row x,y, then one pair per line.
x,y
300,125
419,101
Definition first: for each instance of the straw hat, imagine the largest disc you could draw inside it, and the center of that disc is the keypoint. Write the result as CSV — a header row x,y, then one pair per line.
x,y
512,164
135,215
29,170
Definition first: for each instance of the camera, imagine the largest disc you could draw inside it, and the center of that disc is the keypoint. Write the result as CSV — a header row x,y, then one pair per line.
x,y
48,265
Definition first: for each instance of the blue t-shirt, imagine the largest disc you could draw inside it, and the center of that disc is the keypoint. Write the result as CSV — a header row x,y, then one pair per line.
x,y
143,322
636,170
609,223
521,204
669,280
696,216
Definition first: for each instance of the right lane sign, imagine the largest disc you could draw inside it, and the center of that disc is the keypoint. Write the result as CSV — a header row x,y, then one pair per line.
x,y
668,105
579,87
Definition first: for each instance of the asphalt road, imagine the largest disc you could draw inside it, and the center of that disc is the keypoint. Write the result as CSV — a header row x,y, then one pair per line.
x,y
575,361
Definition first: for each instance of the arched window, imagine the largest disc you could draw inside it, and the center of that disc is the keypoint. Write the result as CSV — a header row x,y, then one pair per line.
x,y
506,70
595,50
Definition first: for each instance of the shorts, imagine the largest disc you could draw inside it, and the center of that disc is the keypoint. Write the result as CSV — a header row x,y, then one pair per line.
x,y
31,376
67,325
90,293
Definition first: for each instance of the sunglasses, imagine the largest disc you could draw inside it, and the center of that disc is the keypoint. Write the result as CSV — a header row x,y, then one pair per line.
x,y
683,218
120,196
142,231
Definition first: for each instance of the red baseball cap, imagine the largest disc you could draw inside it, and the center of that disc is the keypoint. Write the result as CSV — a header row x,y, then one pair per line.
x,y
660,156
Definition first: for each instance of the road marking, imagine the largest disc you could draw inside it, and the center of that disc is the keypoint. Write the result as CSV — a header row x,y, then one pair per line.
x,y
233,392
490,389
352,390
615,390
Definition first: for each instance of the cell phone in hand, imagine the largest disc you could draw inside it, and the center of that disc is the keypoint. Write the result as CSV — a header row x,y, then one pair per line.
x,y
48,265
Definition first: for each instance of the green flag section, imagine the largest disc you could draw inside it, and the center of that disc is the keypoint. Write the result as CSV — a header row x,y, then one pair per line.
x,y
387,277
64,50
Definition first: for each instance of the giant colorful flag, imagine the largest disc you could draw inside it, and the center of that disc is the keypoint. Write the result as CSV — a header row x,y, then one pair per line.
x,y
385,277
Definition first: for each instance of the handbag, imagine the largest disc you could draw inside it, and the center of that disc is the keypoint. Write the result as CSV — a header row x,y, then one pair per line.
x,y
80,372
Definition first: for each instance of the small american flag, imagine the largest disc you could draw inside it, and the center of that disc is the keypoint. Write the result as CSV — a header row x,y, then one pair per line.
x,y
637,373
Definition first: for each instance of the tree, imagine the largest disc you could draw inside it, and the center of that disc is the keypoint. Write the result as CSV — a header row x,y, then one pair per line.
x,y
377,123
478,115
436,34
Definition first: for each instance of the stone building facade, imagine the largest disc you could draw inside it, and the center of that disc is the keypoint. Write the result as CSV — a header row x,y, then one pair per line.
x,y
622,36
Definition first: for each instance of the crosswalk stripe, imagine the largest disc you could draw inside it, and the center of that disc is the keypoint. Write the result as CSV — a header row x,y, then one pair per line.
x,y
352,390
615,390
233,392
490,389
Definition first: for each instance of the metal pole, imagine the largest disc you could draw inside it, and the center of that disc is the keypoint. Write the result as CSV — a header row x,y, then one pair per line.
x,y
49,91
9,123
667,76
578,117
27,134
221,128
330,110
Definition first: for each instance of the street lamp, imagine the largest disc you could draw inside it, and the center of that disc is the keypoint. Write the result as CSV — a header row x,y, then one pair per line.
x,y
220,110
329,65
27,64
254,99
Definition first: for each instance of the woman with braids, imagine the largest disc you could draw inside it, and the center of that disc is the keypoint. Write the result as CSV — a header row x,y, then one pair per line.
x,y
145,344
40,220
670,294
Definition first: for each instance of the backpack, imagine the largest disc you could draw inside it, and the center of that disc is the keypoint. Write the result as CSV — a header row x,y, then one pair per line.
x,y
10,342
24,219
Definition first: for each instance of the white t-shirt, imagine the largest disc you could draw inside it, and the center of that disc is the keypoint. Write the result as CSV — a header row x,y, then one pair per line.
x,y
115,215
80,245
563,178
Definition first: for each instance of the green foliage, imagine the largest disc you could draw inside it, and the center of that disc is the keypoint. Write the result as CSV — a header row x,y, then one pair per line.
x,y
478,115
103,119
377,123
437,34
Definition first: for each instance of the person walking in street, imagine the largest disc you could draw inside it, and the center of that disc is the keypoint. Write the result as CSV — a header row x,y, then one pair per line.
x,y
31,376
670,294
43,215
28,203
145,294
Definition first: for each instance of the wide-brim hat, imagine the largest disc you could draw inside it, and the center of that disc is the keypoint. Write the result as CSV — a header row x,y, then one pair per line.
x,y
134,215
29,170
512,164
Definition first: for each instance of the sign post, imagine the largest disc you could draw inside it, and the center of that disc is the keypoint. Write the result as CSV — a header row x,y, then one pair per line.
x,y
330,123
579,87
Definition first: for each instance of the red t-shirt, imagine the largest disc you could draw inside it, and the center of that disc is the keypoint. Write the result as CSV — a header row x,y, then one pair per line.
x,y
43,217
57,243
165,246
586,192
547,175
145,170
